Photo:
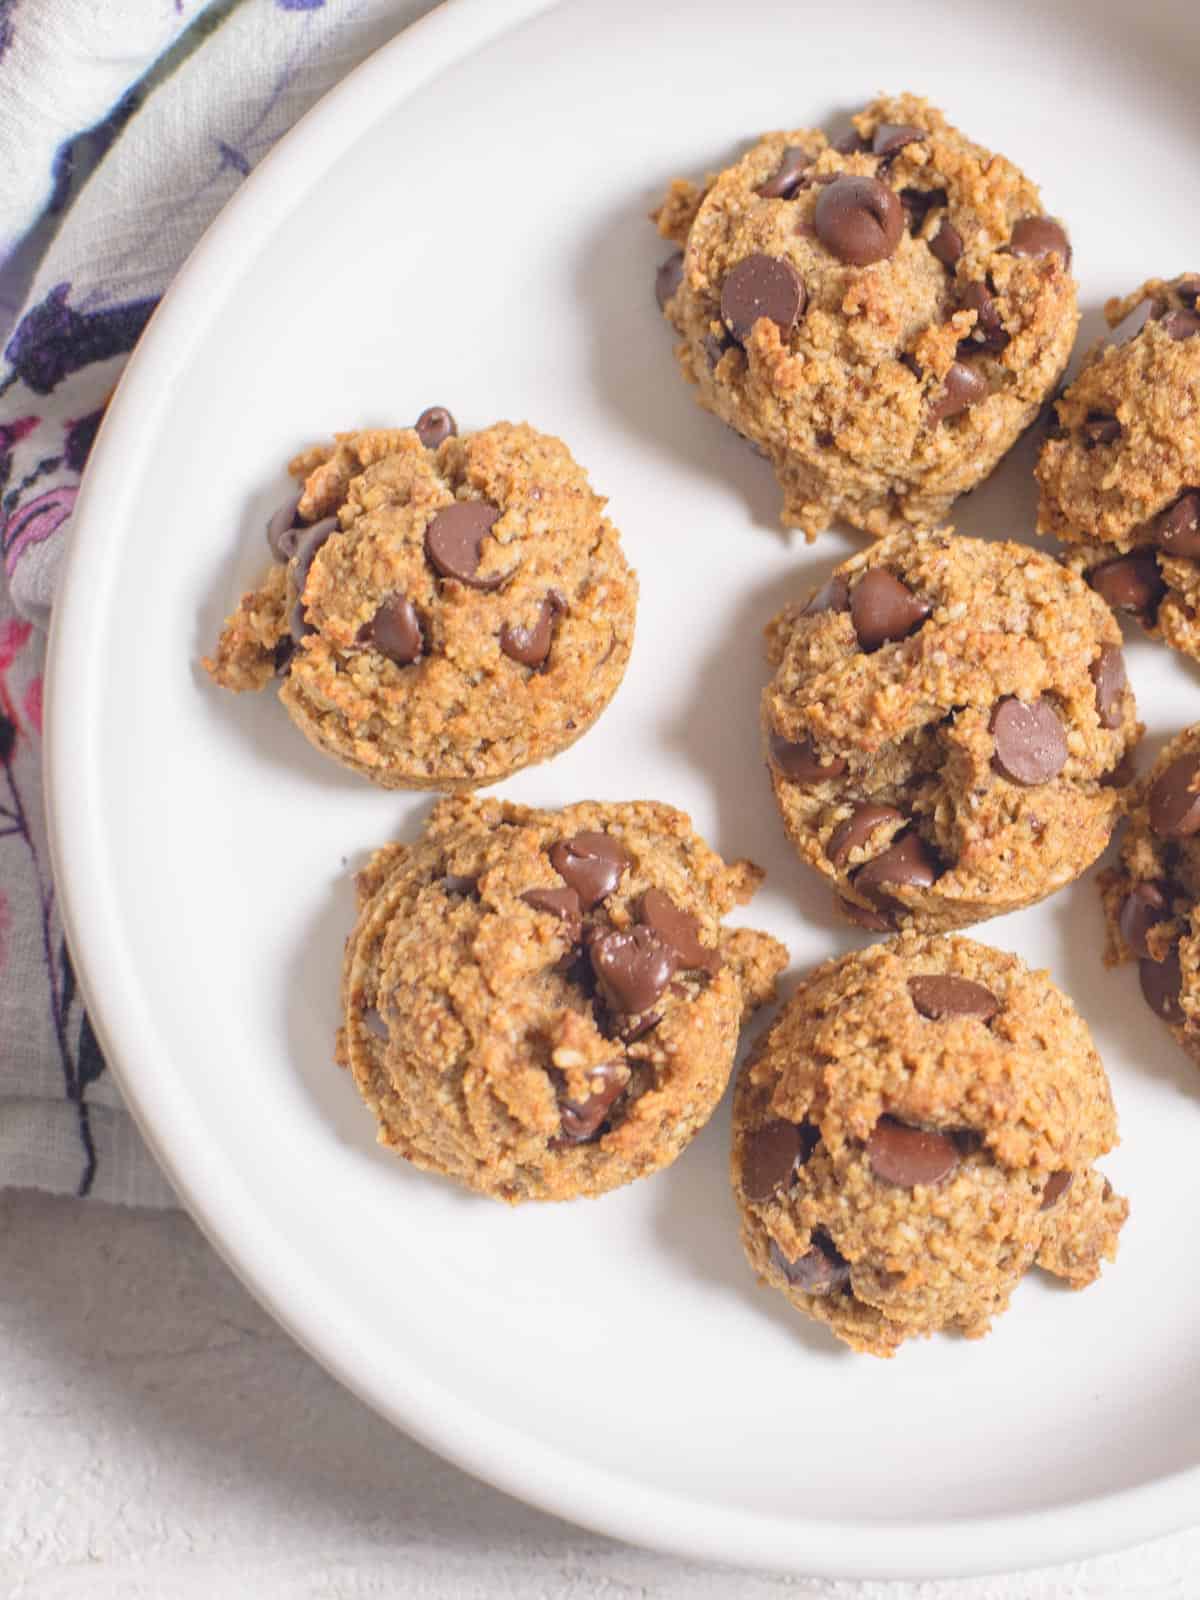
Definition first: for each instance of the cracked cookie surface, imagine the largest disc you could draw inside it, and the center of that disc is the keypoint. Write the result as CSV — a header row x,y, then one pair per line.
x,y
943,729
1120,478
544,1004
881,318
438,617
1152,897
917,1128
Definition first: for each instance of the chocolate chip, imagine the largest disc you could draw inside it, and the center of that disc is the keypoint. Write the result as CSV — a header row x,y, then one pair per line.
x,y
762,286
789,176
456,883
891,137
1161,984
905,1156
454,538
883,609
640,1027
633,967
395,631
1108,674
989,332
772,1153
833,595
308,542
715,346
281,656
668,278
531,646
962,389
1099,428
947,244
821,1270
434,425
1040,236
1180,325
1130,583
852,144
908,862
680,930
283,529
861,917
591,863
1187,289
1143,908
560,903
1057,1185
800,762
939,995
1030,743
1175,800
1177,529
581,1119
857,829
859,220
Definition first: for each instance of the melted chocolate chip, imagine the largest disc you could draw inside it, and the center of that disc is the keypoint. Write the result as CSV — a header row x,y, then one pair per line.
x,y
456,884
772,1154
560,903
963,388
1175,799
1040,236
680,930
531,646
581,1120
833,595
859,220
989,333
284,528
800,762
857,829
908,862
633,967
454,540
947,244
668,278
883,609
891,137
308,543
1108,674
1162,982
1179,325
1177,529
1131,583
821,1270
790,175
940,995
395,631
434,426
1143,908
1031,744
1057,1185
1099,428
762,286
591,864
905,1156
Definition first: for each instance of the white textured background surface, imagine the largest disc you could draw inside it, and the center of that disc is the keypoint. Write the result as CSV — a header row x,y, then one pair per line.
x,y
162,1439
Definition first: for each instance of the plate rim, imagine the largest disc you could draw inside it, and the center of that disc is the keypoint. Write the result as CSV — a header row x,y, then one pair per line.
x,y
590,1496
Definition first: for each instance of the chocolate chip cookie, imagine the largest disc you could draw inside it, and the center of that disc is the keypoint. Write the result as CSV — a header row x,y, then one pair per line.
x,y
1120,477
544,1004
943,729
917,1129
882,317
1152,899
442,611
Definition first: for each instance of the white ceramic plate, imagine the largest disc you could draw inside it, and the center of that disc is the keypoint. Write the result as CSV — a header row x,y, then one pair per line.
x,y
464,222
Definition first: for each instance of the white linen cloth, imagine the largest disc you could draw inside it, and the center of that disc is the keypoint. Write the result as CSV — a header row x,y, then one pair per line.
x,y
124,126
